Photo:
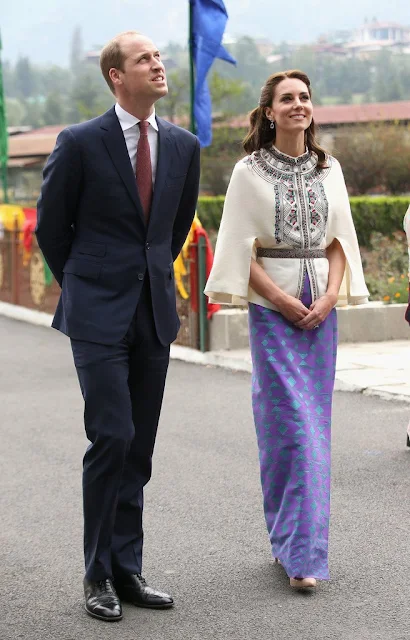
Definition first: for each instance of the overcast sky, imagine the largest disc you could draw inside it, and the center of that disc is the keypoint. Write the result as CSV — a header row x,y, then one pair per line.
x,y
42,29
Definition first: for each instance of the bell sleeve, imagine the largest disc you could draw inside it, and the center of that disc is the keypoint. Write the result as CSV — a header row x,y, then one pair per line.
x,y
353,289
406,227
228,282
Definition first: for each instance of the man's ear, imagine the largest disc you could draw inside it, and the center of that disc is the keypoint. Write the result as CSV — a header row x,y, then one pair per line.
x,y
114,76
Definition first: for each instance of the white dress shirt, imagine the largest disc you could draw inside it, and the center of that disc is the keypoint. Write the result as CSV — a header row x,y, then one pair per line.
x,y
131,131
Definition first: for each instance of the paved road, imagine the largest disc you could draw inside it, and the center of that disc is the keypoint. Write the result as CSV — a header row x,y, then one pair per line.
x,y
205,534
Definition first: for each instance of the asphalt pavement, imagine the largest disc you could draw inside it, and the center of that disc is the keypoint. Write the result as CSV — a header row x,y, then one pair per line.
x,y
205,537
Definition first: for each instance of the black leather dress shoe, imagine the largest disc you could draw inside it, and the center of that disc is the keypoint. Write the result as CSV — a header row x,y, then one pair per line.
x,y
134,589
101,600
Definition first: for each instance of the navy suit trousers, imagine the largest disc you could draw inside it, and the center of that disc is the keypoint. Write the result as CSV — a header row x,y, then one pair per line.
x,y
122,387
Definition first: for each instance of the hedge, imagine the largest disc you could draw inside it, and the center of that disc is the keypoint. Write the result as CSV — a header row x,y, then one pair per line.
x,y
382,213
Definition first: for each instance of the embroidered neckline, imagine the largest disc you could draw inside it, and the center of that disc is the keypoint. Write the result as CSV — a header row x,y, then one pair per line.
x,y
283,157
272,158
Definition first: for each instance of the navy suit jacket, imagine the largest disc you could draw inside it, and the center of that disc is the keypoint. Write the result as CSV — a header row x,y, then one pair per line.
x,y
92,232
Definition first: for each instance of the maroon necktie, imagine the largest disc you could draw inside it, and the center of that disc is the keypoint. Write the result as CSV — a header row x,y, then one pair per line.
x,y
144,169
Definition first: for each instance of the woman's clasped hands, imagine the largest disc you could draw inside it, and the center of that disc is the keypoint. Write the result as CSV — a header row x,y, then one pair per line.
x,y
307,318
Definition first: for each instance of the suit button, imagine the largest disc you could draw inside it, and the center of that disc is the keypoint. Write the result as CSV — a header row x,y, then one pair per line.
x,y
147,246
140,276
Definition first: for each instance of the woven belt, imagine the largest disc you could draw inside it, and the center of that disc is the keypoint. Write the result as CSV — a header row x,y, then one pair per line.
x,y
290,253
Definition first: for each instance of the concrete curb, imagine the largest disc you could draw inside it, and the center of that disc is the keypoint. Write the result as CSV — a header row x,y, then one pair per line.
x,y
25,315
192,356
210,358
341,385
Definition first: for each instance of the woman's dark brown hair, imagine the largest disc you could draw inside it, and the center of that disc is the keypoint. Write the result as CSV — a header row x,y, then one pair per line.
x,y
260,135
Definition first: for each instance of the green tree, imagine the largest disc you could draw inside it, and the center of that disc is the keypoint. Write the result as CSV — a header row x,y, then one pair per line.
x,y
225,92
387,79
76,50
307,61
15,112
359,74
90,95
346,96
176,102
24,79
34,113
284,48
9,79
53,109
251,67
218,160
54,79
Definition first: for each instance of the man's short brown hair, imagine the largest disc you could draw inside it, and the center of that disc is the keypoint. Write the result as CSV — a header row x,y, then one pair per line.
x,y
112,56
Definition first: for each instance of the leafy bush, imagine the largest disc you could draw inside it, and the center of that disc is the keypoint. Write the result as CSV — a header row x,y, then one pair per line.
x,y
375,158
385,265
382,214
218,160
361,155
210,211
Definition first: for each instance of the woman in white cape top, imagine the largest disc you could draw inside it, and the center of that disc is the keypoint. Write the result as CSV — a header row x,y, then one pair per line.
x,y
287,248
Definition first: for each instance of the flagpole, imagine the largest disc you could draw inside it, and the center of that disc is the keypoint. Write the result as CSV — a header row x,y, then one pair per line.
x,y
3,135
192,126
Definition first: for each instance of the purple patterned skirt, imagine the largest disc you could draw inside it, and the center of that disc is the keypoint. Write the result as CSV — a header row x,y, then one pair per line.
x,y
292,385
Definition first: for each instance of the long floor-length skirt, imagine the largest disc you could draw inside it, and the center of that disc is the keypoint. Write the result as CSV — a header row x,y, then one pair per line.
x,y
292,385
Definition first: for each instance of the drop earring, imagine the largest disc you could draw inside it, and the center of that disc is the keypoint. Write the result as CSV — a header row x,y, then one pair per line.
x,y
272,124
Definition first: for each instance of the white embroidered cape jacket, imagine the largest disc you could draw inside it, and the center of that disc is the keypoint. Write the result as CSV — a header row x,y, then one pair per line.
x,y
279,202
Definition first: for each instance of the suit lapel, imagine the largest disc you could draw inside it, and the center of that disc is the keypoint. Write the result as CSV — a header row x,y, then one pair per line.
x,y
163,162
114,140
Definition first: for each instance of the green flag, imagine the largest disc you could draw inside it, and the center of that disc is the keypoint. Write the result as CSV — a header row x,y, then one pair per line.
x,y
3,134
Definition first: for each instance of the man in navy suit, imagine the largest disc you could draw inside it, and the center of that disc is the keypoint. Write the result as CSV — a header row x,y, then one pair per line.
x,y
117,202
